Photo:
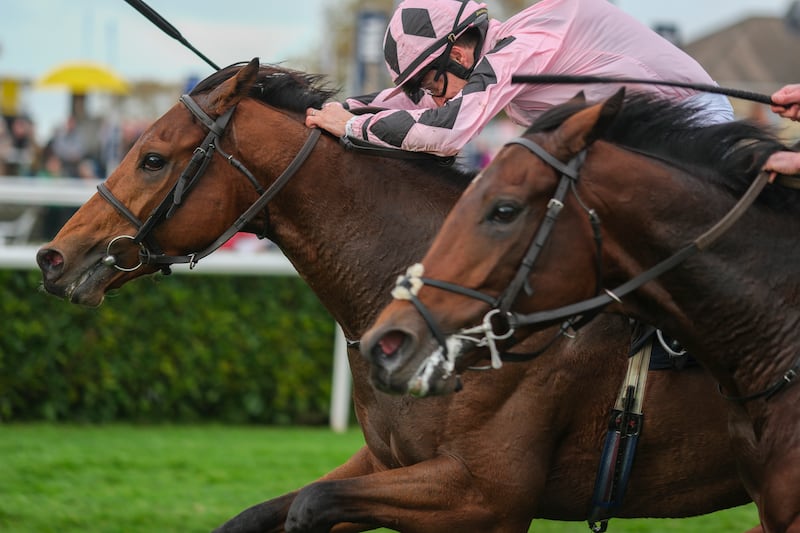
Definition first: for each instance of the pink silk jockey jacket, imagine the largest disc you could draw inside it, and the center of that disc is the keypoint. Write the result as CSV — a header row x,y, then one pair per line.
x,y
579,37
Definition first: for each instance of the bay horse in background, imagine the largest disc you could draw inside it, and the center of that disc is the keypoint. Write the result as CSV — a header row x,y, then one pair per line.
x,y
515,444
653,179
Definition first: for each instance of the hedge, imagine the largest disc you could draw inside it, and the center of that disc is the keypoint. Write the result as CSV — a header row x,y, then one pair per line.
x,y
183,348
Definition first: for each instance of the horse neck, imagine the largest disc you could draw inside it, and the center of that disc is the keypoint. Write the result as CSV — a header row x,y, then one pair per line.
x,y
731,303
350,223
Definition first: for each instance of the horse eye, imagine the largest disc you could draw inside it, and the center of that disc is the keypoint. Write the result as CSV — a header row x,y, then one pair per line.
x,y
153,162
504,213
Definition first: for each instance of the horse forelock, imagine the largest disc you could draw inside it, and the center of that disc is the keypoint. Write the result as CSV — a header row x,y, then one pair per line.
x,y
277,86
728,155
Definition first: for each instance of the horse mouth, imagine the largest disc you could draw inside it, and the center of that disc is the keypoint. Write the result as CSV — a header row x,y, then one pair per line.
x,y
435,376
88,288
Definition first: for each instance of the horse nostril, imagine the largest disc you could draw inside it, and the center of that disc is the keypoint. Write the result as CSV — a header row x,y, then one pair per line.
x,y
49,260
391,342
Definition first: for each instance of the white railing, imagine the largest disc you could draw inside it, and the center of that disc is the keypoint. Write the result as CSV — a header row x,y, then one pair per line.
x,y
31,193
46,191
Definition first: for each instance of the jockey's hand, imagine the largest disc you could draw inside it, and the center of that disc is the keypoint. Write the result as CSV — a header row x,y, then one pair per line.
x,y
332,117
783,163
787,102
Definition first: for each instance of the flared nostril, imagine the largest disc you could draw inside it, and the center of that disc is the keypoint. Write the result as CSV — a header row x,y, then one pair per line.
x,y
49,260
391,343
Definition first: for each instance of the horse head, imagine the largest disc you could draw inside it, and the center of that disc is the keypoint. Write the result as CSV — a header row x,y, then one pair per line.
x,y
420,335
180,191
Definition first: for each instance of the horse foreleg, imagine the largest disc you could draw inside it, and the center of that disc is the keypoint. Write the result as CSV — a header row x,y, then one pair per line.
x,y
269,516
266,517
432,496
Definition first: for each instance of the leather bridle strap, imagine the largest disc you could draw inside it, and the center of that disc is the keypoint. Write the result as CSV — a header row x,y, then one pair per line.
x,y
196,168
701,243
211,125
262,201
408,285
569,169
252,211
151,254
777,386
569,175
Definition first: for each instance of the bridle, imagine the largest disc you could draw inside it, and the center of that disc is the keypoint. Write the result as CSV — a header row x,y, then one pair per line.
x,y
571,316
150,253
408,285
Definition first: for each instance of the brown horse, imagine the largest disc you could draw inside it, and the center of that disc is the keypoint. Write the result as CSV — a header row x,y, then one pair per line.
x,y
643,179
517,443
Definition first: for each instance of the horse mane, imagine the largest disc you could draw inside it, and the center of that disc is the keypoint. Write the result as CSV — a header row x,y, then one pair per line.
x,y
280,87
296,91
728,155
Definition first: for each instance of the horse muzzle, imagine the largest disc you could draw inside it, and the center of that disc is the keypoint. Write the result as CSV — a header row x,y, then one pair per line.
x,y
403,364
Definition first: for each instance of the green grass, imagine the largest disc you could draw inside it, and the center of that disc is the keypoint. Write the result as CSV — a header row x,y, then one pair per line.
x,y
119,478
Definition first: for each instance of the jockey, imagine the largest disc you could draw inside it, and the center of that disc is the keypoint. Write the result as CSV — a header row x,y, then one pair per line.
x,y
452,67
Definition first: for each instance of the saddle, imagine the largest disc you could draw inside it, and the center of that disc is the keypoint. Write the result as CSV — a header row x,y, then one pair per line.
x,y
667,353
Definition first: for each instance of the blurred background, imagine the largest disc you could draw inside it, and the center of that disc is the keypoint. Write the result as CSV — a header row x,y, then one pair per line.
x,y
746,44
79,81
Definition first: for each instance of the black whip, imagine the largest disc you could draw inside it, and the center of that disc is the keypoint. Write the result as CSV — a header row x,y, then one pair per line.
x,y
167,28
570,79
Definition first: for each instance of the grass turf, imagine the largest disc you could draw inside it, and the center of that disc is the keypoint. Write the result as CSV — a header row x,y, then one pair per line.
x,y
119,478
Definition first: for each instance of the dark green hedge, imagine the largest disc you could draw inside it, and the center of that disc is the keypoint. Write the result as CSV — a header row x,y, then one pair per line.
x,y
184,348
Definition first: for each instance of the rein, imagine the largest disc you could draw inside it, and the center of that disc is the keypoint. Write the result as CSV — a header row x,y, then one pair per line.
x,y
149,251
609,296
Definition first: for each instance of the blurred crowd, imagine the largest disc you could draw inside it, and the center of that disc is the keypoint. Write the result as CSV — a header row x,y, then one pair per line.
x,y
83,147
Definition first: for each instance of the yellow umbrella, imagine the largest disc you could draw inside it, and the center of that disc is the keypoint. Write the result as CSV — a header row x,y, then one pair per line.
x,y
81,77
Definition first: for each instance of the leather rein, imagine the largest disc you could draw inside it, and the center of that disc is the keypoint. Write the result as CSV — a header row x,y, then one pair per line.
x,y
150,253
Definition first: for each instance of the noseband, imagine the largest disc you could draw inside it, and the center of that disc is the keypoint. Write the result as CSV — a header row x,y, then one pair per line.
x,y
571,316
150,253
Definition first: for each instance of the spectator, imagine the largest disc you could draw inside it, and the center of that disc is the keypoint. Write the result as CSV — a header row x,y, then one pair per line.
x,y
54,216
5,147
87,170
22,155
69,145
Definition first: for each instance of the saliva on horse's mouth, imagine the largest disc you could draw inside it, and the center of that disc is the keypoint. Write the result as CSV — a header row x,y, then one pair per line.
x,y
437,368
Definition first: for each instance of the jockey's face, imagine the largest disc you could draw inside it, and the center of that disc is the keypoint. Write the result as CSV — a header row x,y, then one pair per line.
x,y
446,87
448,84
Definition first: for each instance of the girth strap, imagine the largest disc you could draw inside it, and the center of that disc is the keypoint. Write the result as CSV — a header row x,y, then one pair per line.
x,y
619,450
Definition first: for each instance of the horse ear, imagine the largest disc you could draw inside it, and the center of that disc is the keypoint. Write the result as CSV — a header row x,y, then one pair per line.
x,y
579,98
584,127
228,93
